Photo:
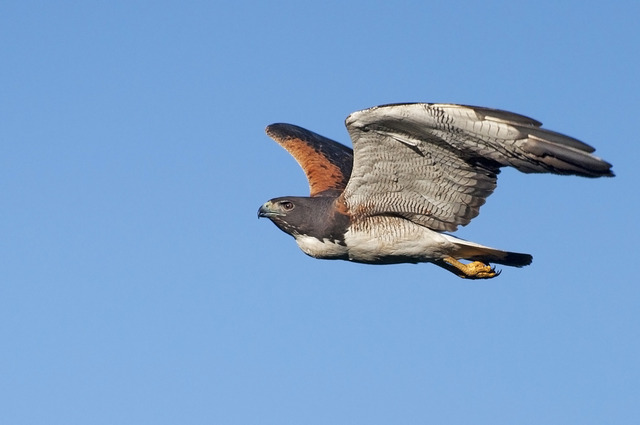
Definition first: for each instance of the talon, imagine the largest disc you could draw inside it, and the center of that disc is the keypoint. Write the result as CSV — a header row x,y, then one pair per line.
x,y
473,270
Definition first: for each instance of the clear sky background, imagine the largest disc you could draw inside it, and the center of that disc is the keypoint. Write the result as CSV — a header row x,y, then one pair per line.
x,y
137,285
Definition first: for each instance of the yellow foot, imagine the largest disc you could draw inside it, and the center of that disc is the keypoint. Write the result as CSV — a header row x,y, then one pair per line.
x,y
474,270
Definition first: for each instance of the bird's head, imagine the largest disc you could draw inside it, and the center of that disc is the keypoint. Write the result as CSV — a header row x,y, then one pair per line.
x,y
288,213
315,216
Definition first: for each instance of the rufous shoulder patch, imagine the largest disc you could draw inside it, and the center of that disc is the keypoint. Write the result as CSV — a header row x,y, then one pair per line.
x,y
326,163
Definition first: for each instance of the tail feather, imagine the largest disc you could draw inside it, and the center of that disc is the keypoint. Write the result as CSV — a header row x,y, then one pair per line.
x,y
475,252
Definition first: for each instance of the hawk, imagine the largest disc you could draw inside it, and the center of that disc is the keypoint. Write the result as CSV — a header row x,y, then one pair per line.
x,y
416,172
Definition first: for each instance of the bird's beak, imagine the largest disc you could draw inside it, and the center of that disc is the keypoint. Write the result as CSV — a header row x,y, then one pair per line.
x,y
267,210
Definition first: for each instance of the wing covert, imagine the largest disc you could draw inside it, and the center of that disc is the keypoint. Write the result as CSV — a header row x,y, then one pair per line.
x,y
326,163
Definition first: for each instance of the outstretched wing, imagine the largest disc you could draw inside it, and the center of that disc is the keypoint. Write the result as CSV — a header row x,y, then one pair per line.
x,y
435,164
326,163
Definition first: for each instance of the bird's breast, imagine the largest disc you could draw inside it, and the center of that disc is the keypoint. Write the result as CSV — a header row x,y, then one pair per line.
x,y
325,248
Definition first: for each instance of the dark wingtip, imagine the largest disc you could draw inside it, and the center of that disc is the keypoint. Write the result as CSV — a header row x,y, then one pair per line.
x,y
283,131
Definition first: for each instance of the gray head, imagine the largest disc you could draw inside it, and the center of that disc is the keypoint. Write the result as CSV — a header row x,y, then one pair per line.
x,y
316,216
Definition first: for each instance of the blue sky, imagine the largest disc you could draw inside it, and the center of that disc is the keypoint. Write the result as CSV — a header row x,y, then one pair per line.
x,y
138,287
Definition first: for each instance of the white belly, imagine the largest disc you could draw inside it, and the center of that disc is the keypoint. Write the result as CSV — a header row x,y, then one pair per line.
x,y
381,240
412,244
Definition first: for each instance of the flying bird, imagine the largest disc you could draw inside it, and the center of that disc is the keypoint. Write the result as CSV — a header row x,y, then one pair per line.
x,y
416,172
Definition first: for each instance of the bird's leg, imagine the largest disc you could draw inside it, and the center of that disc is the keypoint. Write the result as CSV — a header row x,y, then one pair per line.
x,y
474,270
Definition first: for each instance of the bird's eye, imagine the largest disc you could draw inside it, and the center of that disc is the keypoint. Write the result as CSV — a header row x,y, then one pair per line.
x,y
288,206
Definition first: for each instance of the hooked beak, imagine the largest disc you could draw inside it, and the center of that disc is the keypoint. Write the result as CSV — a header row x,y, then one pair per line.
x,y
267,210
